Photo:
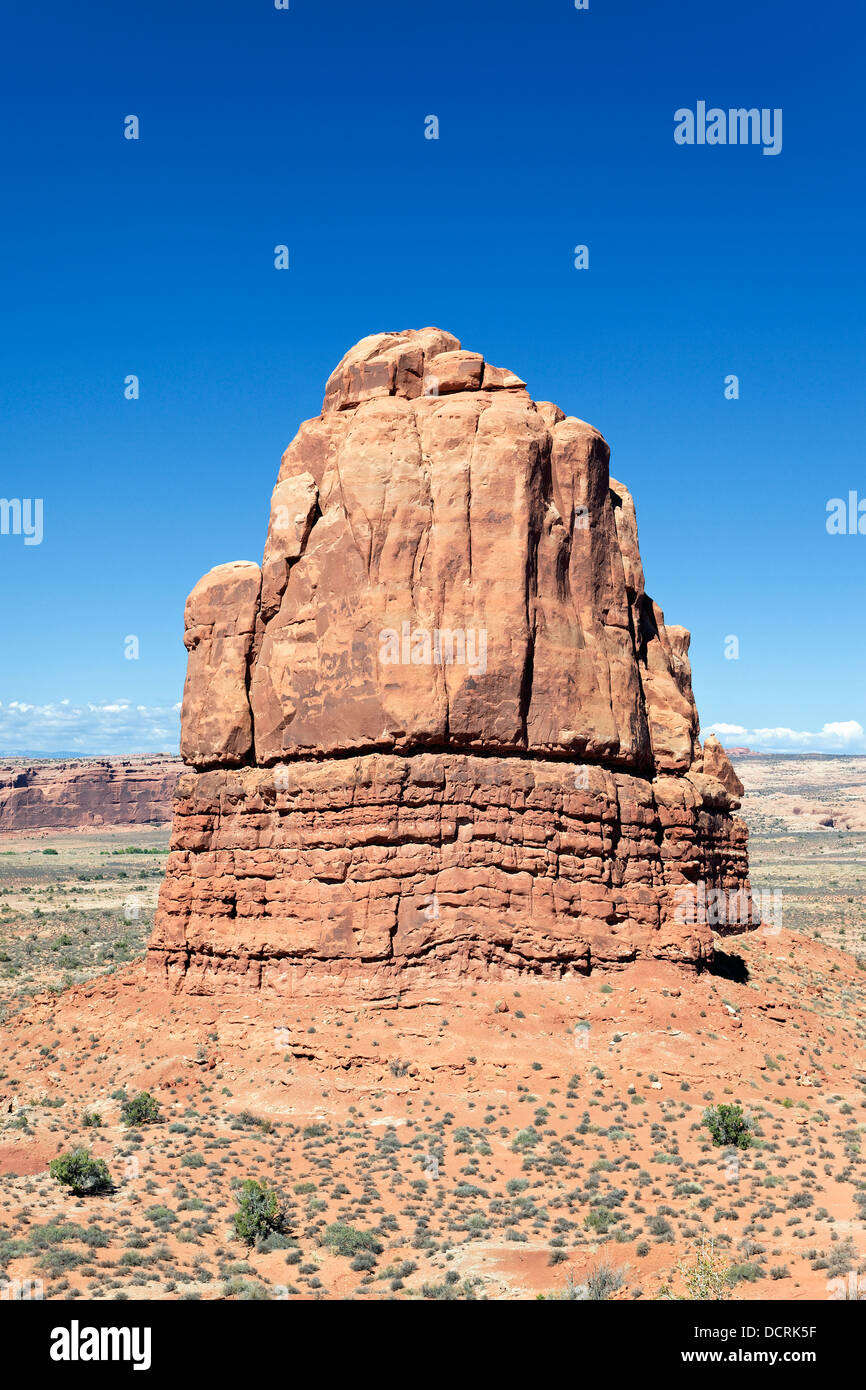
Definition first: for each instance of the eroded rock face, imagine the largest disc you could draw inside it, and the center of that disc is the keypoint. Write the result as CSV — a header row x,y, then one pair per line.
x,y
451,591
220,622
717,764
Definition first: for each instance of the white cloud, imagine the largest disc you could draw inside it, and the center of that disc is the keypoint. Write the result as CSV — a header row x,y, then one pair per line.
x,y
112,726
119,726
849,730
840,736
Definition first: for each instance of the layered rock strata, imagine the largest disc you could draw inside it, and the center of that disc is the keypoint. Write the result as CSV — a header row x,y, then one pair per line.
x,y
442,728
55,794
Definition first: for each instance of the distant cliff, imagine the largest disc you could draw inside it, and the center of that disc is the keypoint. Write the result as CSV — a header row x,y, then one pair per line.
x,y
67,795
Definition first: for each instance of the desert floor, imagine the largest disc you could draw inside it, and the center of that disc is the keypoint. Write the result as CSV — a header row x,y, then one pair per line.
x,y
504,1141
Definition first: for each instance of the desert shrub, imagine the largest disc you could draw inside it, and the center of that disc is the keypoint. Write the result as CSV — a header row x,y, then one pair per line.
x,y
526,1139
603,1281
843,1259
728,1125
660,1226
247,1120
247,1290
448,1291
598,1220
364,1260
705,1275
142,1109
348,1240
276,1240
801,1199
54,1233
260,1212
161,1216
57,1262
81,1173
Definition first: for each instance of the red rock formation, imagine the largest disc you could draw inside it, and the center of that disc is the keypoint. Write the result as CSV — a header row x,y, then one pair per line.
x,y
444,727
718,764
57,795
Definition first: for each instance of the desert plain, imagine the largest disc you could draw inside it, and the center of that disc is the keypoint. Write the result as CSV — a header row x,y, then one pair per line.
x,y
520,1139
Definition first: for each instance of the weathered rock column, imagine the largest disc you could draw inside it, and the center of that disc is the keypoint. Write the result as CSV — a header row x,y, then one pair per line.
x,y
443,730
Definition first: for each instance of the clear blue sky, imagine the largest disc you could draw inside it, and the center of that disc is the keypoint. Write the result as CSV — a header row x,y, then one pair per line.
x,y
306,127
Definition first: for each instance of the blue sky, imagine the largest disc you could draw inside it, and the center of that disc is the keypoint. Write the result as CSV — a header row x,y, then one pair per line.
x,y
306,127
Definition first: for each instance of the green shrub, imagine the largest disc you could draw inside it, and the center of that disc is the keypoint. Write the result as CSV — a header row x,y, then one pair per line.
x,y
598,1220
660,1226
247,1290
705,1274
526,1139
275,1241
450,1291
348,1240
364,1260
260,1212
249,1121
56,1263
81,1173
142,1109
728,1125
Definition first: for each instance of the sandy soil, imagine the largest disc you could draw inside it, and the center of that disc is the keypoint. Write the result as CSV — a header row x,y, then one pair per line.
x,y
488,1145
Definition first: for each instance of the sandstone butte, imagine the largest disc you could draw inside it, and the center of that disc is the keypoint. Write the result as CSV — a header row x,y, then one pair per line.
x,y
442,730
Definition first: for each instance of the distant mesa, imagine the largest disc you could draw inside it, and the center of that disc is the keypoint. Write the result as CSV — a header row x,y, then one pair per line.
x,y
442,729
82,793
